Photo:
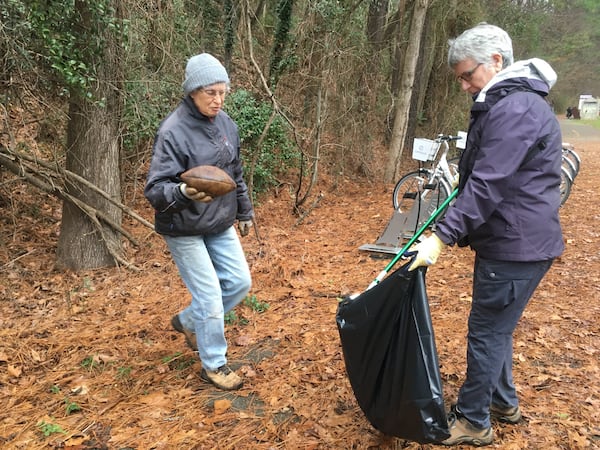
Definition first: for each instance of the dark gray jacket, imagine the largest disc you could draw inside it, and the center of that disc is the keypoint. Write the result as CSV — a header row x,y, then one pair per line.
x,y
186,139
507,208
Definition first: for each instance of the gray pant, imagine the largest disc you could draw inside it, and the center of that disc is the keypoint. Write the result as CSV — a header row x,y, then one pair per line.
x,y
501,291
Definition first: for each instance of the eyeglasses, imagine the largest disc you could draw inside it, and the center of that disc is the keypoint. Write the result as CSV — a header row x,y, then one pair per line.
x,y
213,93
468,75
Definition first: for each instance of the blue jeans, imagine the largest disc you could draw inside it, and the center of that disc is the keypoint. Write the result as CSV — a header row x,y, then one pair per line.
x,y
216,273
501,291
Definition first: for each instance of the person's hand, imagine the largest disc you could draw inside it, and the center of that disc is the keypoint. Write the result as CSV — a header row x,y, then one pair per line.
x,y
455,181
427,252
244,227
193,194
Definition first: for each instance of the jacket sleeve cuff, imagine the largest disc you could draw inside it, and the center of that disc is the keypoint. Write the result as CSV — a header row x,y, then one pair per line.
x,y
180,195
444,238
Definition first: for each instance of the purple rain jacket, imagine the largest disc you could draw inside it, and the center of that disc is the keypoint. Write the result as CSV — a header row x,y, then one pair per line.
x,y
509,192
185,139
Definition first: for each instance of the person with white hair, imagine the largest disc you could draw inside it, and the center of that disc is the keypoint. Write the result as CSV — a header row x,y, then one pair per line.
x,y
506,211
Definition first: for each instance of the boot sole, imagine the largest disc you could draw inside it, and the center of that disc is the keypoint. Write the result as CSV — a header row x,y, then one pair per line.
x,y
469,441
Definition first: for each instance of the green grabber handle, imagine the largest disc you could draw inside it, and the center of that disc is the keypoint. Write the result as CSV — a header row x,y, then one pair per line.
x,y
412,240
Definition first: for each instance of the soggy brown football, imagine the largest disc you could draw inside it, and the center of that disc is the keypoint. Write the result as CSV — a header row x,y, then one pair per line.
x,y
210,179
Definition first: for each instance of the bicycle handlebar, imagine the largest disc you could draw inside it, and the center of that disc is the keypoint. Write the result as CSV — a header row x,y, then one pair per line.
x,y
447,137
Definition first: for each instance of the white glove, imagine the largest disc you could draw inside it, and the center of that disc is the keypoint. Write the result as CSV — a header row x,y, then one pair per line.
x,y
455,181
193,194
428,252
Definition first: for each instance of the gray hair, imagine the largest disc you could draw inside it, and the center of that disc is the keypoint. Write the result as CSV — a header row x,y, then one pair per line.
x,y
479,43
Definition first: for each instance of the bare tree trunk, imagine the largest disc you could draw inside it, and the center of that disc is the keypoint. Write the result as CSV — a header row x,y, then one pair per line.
x,y
396,26
93,153
406,89
428,53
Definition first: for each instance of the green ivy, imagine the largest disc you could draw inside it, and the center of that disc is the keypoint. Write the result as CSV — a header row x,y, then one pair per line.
x,y
281,38
67,40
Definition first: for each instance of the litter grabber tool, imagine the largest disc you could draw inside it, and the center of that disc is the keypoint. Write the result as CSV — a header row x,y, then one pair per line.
x,y
412,240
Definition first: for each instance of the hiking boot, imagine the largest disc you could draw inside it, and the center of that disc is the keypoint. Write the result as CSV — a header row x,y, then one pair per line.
x,y
190,336
464,432
509,414
223,378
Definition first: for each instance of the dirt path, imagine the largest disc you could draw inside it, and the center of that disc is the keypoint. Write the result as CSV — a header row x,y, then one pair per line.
x,y
89,360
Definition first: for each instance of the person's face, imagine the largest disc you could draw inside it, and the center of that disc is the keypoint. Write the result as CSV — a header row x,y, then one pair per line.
x,y
473,76
209,99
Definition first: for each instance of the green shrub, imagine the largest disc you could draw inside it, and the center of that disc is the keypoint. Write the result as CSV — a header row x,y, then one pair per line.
x,y
146,105
277,152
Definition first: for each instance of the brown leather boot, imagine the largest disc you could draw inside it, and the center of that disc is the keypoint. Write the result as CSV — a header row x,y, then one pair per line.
x,y
506,414
223,378
190,336
464,432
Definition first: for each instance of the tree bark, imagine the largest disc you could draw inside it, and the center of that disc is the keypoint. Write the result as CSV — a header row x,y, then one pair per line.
x,y
93,153
376,21
406,90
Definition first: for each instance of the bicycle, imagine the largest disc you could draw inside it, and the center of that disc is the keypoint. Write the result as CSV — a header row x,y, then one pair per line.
x,y
427,187
431,186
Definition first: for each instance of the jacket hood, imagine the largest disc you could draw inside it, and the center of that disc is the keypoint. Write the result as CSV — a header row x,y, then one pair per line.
x,y
536,71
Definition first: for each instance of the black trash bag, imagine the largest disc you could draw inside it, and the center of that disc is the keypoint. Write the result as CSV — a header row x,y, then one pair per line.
x,y
391,358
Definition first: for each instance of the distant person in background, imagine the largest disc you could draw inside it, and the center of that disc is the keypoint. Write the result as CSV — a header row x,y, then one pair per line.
x,y
199,229
506,210
569,112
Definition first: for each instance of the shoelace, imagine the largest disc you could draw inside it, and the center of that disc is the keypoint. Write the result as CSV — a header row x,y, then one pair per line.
x,y
452,417
225,370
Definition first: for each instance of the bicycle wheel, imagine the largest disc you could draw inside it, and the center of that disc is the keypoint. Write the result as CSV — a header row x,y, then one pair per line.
x,y
418,196
565,185
570,154
408,187
569,165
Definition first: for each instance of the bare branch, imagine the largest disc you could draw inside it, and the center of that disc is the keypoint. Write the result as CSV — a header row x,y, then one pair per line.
x,y
315,203
74,177
12,162
276,107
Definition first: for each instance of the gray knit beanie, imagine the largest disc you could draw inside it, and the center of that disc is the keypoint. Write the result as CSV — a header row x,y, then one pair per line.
x,y
203,70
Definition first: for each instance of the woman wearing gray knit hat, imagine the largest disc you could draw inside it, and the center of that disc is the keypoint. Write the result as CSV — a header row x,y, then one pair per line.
x,y
197,228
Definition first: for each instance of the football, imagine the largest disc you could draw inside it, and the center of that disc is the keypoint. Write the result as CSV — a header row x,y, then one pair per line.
x,y
210,179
